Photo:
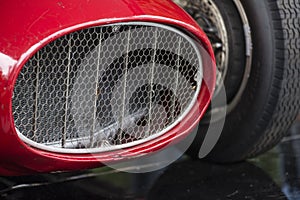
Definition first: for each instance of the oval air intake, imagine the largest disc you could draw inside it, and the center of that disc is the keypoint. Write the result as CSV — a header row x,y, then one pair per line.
x,y
108,87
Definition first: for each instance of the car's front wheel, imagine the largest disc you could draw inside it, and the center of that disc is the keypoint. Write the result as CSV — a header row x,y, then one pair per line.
x,y
257,47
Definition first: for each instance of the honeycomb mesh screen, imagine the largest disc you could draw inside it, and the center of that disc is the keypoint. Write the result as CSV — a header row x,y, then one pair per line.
x,y
106,87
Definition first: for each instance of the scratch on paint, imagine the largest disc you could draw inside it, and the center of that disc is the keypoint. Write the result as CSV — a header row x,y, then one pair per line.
x,y
35,21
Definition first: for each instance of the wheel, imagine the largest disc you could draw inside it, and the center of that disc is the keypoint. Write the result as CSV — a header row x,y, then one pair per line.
x,y
257,49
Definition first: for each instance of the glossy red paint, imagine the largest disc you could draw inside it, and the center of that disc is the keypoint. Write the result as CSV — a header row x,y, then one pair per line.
x,y
28,25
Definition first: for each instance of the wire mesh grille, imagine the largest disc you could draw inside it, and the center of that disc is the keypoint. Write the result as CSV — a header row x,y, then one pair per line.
x,y
106,87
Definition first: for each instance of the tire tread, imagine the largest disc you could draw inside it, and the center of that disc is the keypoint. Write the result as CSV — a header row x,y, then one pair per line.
x,y
285,18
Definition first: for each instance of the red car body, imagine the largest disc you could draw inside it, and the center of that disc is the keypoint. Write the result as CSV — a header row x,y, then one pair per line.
x,y
27,26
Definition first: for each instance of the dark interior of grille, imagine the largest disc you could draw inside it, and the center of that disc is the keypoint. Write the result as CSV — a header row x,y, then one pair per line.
x,y
105,86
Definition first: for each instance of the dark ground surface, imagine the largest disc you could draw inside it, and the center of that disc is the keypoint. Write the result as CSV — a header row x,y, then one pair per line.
x,y
274,175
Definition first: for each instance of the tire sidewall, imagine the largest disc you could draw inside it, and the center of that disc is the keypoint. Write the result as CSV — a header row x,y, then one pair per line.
x,y
244,125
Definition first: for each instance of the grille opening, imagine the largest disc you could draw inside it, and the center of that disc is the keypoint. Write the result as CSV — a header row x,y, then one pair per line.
x,y
105,88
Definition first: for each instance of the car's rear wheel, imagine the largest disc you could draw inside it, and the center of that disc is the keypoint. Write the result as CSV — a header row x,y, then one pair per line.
x,y
260,71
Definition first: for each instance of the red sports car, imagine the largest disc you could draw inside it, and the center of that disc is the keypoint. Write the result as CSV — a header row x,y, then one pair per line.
x,y
85,83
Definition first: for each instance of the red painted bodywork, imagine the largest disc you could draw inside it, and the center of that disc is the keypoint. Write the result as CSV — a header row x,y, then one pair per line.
x,y
28,25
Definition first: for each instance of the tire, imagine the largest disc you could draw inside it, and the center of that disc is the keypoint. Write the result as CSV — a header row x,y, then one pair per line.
x,y
236,47
270,102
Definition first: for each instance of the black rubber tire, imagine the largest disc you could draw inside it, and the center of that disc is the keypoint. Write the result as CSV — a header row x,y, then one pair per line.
x,y
236,47
271,100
